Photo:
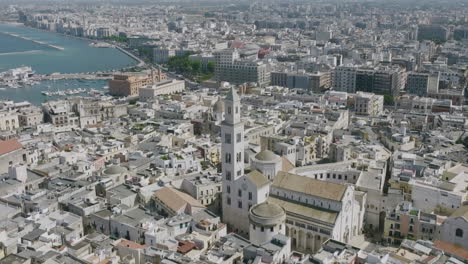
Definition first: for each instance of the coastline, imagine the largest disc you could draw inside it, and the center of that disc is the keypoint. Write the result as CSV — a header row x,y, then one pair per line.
x,y
138,62
129,54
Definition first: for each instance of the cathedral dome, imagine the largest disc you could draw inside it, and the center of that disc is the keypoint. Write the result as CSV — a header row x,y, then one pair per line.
x,y
265,214
218,107
267,155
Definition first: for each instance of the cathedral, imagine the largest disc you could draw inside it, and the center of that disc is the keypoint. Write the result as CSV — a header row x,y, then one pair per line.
x,y
316,210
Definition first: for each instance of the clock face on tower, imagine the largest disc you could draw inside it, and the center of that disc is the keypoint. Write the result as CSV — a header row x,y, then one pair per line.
x,y
244,186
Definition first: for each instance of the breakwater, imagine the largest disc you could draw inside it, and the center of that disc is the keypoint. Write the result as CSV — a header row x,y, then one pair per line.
x,y
33,40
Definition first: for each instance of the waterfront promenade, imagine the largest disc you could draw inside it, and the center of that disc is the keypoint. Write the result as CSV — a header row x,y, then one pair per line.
x,y
140,61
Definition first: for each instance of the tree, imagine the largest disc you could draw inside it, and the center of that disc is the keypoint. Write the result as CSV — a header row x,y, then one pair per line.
x,y
196,66
210,67
389,100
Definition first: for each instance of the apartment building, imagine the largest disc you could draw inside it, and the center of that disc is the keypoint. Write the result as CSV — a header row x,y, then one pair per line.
x,y
406,221
368,104
421,84
231,69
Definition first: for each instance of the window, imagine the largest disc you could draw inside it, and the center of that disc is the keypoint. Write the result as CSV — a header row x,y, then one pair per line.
x,y
229,110
228,188
228,175
263,229
239,137
271,229
239,157
239,173
228,158
229,200
459,232
227,138
239,192
239,204
250,196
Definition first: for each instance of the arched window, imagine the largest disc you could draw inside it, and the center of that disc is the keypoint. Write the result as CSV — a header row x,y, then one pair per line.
x,y
459,232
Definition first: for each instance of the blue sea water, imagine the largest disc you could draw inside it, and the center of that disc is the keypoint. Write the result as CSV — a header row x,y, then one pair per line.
x,y
10,44
76,57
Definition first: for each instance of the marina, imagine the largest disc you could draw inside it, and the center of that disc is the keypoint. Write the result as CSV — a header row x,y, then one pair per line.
x,y
54,89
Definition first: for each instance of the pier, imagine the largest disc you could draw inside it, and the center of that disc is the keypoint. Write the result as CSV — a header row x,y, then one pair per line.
x,y
32,40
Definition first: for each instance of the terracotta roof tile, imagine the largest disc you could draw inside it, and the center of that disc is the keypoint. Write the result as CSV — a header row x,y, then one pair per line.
x,y
327,190
452,249
131,244
8,146
176,200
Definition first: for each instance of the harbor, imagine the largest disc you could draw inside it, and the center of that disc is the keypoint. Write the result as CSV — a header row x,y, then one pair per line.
x,y
79,69
76,57
54,89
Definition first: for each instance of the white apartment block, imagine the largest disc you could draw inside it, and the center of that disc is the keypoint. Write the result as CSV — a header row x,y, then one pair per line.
x,y
166,87
162,55
8,121
230,69
369,104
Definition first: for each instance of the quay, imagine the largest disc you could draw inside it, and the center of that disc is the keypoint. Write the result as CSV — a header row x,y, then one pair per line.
x,y
35,41
71,76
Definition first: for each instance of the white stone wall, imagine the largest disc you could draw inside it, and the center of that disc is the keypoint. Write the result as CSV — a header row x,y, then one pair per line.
x,y
259,234
268,169
427,198
448,231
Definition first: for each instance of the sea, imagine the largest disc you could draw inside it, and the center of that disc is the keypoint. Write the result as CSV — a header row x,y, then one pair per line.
x,y
76,57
